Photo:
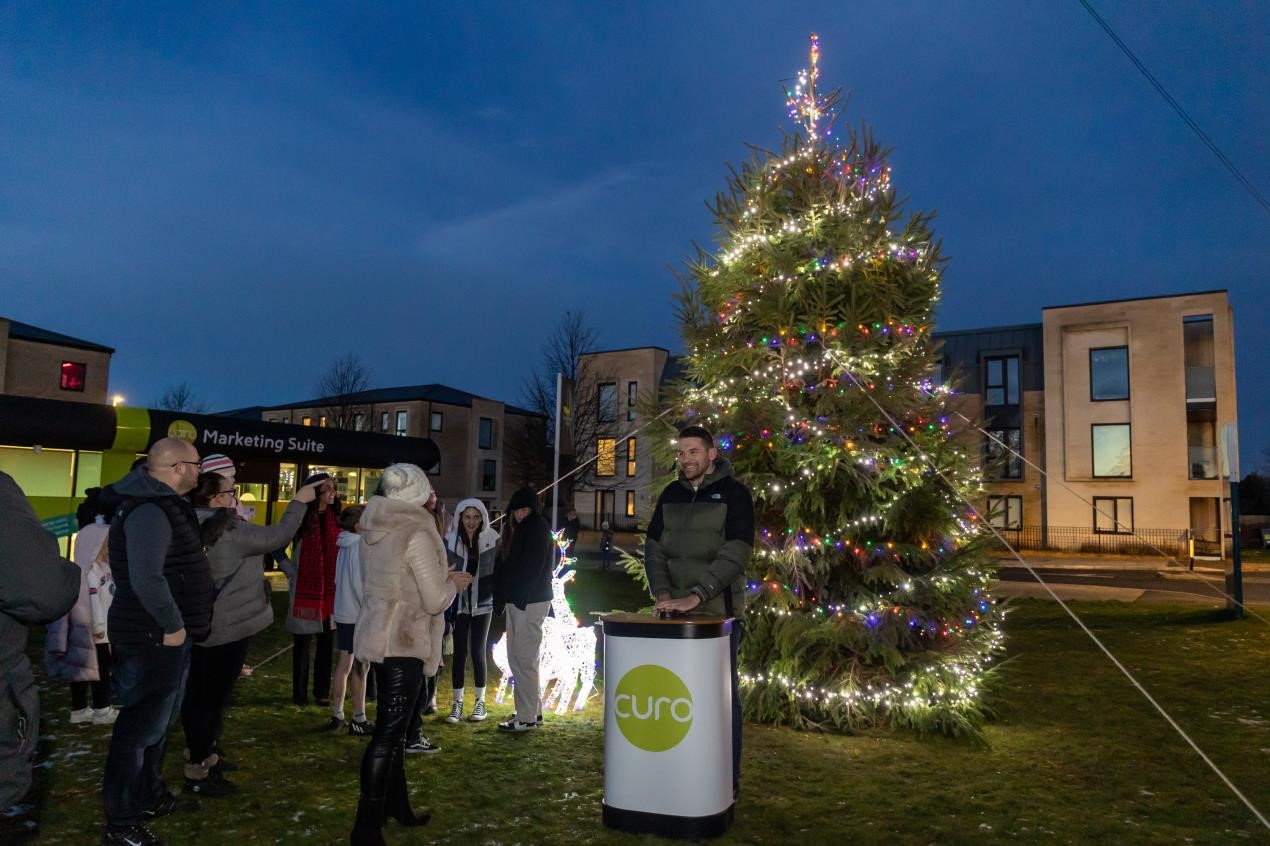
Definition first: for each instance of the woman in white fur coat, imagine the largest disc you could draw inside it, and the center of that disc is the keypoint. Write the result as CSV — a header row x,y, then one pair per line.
x,y
406,590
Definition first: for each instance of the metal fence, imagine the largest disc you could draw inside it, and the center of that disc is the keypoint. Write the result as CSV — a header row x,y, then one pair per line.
x,y
1082,539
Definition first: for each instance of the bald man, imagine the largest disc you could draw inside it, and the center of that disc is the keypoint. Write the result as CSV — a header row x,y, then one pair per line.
x,y
163,602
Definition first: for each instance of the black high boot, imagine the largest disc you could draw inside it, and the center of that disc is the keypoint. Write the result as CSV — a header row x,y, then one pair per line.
x,y
368,830
398,804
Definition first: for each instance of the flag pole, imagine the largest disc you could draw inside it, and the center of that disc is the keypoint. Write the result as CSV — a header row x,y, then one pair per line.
x,y
555,473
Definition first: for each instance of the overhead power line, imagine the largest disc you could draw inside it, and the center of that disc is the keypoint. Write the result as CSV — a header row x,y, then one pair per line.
x,y
1208,142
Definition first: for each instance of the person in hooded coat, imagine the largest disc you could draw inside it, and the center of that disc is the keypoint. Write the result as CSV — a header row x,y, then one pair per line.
x,y
471,546
406,590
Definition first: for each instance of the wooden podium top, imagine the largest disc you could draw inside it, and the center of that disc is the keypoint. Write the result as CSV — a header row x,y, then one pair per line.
x,y
675,626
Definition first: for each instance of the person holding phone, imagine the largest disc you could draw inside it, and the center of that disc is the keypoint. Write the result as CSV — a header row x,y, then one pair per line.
x,y
235,551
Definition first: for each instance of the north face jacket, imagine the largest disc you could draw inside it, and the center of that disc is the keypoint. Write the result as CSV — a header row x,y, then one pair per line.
x,y
700,541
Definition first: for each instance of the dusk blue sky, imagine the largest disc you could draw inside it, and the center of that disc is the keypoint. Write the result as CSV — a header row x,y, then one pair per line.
x,y
233,194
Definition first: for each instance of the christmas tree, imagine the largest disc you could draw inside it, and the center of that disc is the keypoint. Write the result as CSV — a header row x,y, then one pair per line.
x,y
811,361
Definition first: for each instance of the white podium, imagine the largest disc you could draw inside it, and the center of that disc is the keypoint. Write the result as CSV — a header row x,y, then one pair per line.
x,y
667,725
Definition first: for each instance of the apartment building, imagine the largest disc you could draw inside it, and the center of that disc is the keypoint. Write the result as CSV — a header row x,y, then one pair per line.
x,y
1120,402
487,448
40,363
615,388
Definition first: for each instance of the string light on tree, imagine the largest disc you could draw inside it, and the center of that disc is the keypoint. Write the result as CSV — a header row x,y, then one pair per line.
x,y
870,591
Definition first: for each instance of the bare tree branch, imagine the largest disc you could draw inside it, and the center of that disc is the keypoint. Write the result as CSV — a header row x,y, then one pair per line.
x,y
180,397
565,352
344,379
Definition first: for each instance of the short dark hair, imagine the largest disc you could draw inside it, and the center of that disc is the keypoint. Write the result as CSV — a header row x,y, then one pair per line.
x,y
349,516
697,432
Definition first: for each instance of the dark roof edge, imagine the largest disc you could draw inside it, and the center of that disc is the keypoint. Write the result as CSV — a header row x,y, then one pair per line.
x,y
1142,299
1014,328
626,349
36,335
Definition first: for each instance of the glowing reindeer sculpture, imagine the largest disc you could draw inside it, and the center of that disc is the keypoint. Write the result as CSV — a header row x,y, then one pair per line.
x,y
568,650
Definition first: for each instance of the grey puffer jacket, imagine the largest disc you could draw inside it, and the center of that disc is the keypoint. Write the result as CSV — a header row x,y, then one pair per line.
x,y
37,585
242,608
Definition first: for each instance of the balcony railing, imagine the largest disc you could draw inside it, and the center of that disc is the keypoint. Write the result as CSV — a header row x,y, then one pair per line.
x,y
1201,384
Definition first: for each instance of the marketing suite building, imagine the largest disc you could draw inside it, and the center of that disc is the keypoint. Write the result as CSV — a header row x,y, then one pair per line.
x,y
56,451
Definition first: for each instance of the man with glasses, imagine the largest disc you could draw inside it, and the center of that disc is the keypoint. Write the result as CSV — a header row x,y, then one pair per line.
x,y
163,602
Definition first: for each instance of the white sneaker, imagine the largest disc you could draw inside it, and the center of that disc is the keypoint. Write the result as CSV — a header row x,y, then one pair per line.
x,y
478,711
456,713
82,716
105,716
515,725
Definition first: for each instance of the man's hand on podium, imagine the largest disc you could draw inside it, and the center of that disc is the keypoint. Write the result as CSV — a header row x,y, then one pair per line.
x,y
679,606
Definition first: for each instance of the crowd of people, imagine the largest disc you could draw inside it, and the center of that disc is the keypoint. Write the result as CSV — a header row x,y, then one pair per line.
x,y
152,622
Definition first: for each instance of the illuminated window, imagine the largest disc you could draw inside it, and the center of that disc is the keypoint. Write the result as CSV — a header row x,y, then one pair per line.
x,y
1112,448
403,418
383,421
306,421
73,373
630,456
632,394
489,474
606,411
322,421
630,503
606,462
359,422
485,437
436,420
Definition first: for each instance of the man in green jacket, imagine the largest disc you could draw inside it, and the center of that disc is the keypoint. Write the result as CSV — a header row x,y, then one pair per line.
x,y
698,545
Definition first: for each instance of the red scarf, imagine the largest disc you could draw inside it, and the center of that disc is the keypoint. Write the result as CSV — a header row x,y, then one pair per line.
x,y
315,576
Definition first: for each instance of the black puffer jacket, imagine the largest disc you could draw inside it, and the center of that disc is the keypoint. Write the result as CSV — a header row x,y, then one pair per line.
x,y
163,581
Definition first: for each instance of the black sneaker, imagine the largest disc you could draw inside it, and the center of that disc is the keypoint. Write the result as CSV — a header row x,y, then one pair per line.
x,y
334,725
537,720
170,803
359,728
137,835
214,786
421,746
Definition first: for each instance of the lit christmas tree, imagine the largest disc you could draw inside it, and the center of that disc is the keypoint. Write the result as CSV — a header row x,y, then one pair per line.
x,y
811,356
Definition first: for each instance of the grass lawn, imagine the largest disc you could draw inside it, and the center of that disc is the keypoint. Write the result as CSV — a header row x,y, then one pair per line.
x,y
1074,755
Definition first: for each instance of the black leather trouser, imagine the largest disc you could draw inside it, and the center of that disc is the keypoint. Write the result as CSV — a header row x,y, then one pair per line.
x,y
400,680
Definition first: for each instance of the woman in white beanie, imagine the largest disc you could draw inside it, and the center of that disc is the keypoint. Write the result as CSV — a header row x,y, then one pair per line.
x,y
407,587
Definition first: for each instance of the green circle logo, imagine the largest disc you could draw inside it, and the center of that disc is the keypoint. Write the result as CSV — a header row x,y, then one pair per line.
x,y
184,430
653,708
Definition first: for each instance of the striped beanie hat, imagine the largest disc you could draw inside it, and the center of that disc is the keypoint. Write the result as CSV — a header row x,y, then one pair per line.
x,y
217,463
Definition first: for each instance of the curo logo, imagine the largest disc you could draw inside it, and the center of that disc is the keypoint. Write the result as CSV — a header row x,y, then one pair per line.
x,y
653,708
184,430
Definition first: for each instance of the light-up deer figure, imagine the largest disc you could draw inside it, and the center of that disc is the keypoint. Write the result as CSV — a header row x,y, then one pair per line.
x,y
567,655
